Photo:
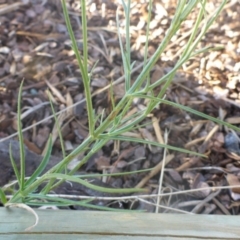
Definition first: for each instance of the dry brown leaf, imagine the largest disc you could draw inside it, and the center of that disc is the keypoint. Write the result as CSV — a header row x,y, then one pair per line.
x,y
157,130
196,129
197,181
10,7
31,146
56,92
79,131
233,180
42,136
233,120
69,103
125,154
187,164
102,163
194,142
233,156
154,171
5,122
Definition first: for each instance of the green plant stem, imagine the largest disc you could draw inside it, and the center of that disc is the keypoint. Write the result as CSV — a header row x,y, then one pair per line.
x,y
116,124
58,128
21,144
138,82
98,145
83,68
127,54
85,35
147,39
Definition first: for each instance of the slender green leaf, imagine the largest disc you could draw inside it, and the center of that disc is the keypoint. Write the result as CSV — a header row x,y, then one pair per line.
x,y
82,66
85,34
3,197
113,174
132,65
91,186
124,59
43,163
139,140
58,128
188,109
94,66
57,201
147,40
20,136
14,165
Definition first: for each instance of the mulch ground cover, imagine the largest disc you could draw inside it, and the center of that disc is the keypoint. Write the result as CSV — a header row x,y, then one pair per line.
x,y
35,46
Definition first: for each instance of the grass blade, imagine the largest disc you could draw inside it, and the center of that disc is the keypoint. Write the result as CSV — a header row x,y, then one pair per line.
x,y
57,201
188,109
20,136
43,163
138,140
84,71
14,165
91,186
58,128
3,197
85,36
